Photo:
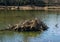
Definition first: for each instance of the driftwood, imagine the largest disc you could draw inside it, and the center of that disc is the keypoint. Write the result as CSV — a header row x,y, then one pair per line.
x,y
28,25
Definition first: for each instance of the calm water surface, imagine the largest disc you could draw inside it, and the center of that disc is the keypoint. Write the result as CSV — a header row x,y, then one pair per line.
x,y
50,18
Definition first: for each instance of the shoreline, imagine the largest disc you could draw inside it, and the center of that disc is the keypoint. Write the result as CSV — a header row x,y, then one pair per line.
x,y
29,8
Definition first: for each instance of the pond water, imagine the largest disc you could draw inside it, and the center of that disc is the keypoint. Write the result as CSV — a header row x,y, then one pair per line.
x,y
50,18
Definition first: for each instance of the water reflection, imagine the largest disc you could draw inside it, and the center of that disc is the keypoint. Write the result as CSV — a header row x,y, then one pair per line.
x,y
9,36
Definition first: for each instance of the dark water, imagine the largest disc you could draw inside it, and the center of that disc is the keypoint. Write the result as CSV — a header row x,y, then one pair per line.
x,y
50,18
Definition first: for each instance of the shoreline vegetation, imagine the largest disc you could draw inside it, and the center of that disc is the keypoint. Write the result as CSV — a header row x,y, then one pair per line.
x,y
29,4
29,8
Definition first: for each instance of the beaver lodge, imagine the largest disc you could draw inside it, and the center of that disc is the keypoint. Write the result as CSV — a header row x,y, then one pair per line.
x,y
28,25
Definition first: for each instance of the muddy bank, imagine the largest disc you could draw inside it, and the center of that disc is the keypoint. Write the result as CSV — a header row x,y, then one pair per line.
x,y
22,8
29,8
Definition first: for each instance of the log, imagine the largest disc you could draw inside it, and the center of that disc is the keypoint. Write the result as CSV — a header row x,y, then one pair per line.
x,y
30,25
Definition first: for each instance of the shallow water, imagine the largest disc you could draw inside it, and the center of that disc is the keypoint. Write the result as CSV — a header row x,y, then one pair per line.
x,y
50,18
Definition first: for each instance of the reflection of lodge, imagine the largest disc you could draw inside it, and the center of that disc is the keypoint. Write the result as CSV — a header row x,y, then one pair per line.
x,y
29,25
